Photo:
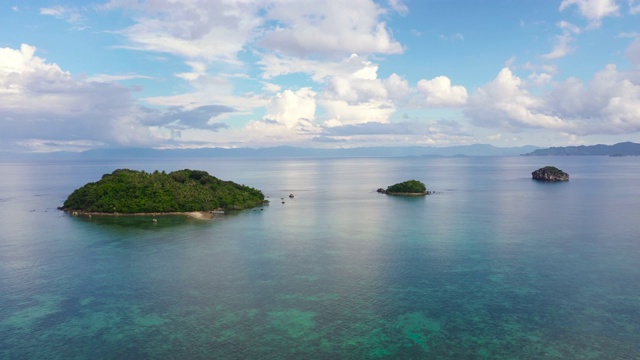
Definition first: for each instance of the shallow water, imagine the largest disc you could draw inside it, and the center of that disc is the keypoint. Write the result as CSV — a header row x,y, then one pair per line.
x,y
493,265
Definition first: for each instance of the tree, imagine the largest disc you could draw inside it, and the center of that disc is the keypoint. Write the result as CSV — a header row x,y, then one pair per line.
x,y
409,186
130,191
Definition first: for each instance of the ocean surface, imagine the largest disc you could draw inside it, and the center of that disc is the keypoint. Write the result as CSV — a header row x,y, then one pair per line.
x,y
493,265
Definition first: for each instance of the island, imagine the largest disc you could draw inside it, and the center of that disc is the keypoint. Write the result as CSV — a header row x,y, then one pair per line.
x,y
550,174
190,192
620,149
406,188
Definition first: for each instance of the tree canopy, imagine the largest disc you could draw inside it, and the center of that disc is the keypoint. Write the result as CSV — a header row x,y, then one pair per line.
x,y
409,186
130,191
553,170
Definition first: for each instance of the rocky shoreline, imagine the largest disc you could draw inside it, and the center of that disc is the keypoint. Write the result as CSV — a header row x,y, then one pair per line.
x,y
550,174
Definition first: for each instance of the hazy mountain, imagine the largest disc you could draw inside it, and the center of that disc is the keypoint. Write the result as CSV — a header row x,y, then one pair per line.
x,y
280,151
620,149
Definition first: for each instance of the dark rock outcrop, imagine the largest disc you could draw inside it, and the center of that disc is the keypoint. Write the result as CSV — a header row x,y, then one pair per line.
x,y
550,173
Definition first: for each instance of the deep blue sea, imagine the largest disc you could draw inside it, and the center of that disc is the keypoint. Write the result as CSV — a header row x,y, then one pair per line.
x,y
493,265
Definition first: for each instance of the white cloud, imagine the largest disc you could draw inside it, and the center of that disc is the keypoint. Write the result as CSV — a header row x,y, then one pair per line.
x,y
608,105
341,112
634,6
352,93
399,6
540,79
68,14
440,93
332,27
274,66
569,27
206,89
397,86
114,78
594,10
563,46
201,117
198,70
505,102
41,101
212,30
271,88
217,30
292,109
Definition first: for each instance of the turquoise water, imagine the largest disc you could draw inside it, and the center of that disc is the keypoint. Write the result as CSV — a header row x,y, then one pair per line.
x,y
493,265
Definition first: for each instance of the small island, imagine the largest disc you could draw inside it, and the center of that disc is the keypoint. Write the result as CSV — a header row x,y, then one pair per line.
x,y
190,192
550,174
406,188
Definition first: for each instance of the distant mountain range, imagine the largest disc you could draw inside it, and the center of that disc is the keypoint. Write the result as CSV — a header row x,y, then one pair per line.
x,y
278,152
620,149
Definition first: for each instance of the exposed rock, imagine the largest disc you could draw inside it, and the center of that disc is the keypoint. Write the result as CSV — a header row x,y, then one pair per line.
x,y
550,173
291,196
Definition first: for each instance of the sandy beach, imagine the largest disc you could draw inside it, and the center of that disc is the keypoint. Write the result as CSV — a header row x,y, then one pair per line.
x,y
200,215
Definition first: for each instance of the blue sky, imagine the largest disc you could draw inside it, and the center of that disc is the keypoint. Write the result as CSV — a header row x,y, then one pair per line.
x,y
76,75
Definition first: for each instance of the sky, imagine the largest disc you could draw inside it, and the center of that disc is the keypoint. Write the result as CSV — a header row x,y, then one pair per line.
x,y
77,75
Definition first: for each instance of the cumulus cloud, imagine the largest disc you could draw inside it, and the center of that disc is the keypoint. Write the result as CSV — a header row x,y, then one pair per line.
x,y
440,93
292,109
356,95
397,86
45,108
332,27
505,102
352,91
41,101
634,6
593,10
607,105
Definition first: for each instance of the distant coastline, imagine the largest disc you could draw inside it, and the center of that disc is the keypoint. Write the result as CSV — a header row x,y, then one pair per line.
x,y
283,152
616,150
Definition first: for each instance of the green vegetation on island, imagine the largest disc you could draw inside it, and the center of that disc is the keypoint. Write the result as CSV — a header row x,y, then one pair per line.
x,y
409,187
128,191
